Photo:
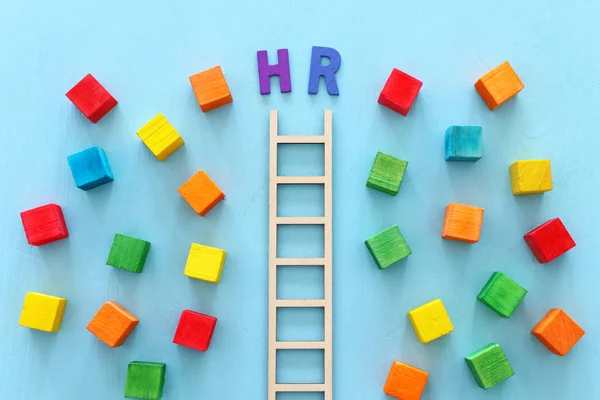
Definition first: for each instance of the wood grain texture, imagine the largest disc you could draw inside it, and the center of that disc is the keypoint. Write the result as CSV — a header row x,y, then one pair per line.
x,y
499,85
388,247
90,168
42,312
91,98
145,380
462,223
400,92
549,240
489,366
112,324
430,321
44,224
463,143
205,263
160,137
502,294
128,253
558,332
530,177
210,88
405,382
387,173
201,193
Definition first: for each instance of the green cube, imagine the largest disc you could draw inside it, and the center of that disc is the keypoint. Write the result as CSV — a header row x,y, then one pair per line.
x,y
502,294
388,247
145,380
128,253
387,173
489,366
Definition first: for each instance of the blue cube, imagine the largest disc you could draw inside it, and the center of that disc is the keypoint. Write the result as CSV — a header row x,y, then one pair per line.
x,y
90,168
463,143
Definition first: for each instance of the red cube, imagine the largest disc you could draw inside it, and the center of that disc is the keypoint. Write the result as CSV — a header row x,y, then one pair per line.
x,y
195,330
90,97
549,240
400,91
44,224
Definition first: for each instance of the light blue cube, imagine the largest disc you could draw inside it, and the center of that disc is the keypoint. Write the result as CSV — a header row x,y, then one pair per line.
x,y
90,168
463,143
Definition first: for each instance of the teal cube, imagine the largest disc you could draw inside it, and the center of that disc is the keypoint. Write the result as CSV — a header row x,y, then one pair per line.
x,y
90,168
463,143
145,380
387,173
128,253
388,247
502,294
489,366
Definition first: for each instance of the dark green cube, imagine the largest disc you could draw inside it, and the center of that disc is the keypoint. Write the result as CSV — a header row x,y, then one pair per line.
x,y
388,247
387,173
128,253
489,366
145,380
502,294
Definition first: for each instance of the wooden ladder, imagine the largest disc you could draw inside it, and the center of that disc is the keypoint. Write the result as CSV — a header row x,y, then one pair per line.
x,y
326,303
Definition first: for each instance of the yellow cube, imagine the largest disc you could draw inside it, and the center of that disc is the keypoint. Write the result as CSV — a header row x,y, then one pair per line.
x,y
205,263
42,312
430,321
160,137
530,177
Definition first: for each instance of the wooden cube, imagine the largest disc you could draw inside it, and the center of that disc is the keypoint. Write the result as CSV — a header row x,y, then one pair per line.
x,y
44,224
388,247
145,380
430,321
502,294
205,263
128,253
160,137
195,330
489,366
549,240
400,92
90,97
463,143
42,312
387,173
499,85
558,332
405,382
462,223
530,177
211,89
201,193
112,324
90,168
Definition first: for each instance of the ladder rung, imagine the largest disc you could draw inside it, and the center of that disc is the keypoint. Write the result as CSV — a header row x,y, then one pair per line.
x,y
300,303
311,345
300,180
300,220
299,261
313,139
300,387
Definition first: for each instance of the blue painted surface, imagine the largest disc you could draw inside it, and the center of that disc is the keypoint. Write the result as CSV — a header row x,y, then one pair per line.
x,y
463,143
90,168
143,53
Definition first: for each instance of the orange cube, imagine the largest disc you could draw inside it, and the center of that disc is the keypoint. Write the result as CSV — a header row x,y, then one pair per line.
x,y
558,332
112,324
211,89
462,223
405,382
499,85
201,193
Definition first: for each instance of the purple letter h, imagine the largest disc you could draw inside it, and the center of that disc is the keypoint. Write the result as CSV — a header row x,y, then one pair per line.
x,y
281,69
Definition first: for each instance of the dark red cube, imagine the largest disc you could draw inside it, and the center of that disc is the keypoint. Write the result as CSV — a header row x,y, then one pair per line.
x,y
195,330
90,97
44,224
549,240
400,92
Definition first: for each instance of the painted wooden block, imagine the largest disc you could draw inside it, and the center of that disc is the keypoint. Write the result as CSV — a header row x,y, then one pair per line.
x,y
201,193
160,137
499,85
463,143
128,253
44,224
405,382
195,330
388,247
549,240
530,177
145,380
462,223
387,173
327,71
210,88
205,263
281,69
558,332
489,366
42,312
430,321
90,168
400,92
502,294
112,324
90,97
